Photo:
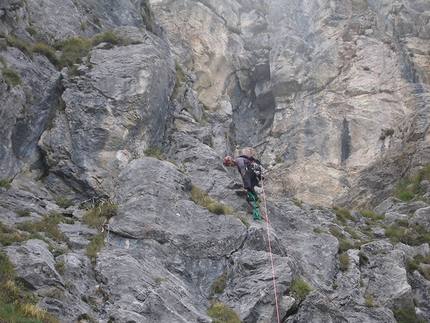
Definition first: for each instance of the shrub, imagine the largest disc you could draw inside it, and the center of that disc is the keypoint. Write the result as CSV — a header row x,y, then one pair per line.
x,y
353,234
86,318
413,236
22,46
111,38
244,220
389,132
422,259
6,269
319,230
147,15
419,235
299,288
53,114
31,30
415,264
235,30
221,313
60,266
297,203
406,196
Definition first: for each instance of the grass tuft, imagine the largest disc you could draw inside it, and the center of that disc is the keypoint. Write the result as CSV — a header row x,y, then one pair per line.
x,y
344,243
407,315
96,218
219,284
413,236
409,188
180,77
372,215
343,261
49,225
15,304
342,215
368,300
153,152
221,313
11,77
5,183
299,288
63,202
200,197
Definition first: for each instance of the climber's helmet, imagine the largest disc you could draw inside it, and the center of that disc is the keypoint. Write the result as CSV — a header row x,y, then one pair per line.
x,y
226,160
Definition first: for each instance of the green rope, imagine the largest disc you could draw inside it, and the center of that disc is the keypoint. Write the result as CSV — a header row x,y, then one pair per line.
x,y
255,215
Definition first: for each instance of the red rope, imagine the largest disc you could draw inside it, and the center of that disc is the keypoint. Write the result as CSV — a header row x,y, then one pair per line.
x,y
271,258
270,251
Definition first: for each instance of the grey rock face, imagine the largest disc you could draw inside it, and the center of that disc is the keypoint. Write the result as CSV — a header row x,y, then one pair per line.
x,y
308,79
182,222
25,111
163,252
421,217
332,96
36,263
117,106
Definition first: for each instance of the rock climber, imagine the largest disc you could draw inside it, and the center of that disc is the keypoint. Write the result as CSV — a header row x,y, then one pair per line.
x,y
246,166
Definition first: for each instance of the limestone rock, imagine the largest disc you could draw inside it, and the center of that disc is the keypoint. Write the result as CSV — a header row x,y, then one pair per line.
x,y
36,266
117,100
332,97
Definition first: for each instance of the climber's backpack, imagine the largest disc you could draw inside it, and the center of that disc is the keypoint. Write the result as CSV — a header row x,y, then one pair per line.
x,y
254,164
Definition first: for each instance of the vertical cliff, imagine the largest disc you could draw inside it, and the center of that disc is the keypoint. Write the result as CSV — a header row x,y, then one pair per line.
x,y
115,116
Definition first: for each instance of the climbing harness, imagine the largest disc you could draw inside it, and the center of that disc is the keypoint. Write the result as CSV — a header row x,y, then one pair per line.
x,y
255,215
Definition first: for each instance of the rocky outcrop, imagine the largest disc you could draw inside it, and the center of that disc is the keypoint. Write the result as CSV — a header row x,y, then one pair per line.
x,y
25,110
113,112
331,96
163,253
332,99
